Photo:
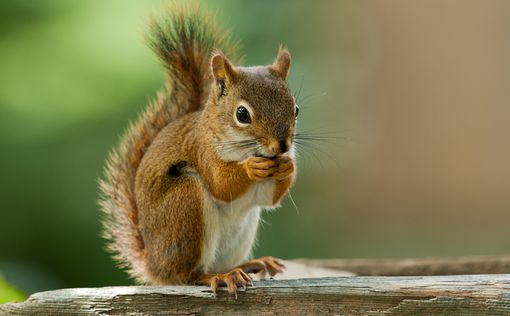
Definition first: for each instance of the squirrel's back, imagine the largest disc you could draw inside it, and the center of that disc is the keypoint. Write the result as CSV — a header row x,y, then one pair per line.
x,y
183,39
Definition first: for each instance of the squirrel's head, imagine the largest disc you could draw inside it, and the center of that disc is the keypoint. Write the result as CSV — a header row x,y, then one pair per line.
x,y
254,108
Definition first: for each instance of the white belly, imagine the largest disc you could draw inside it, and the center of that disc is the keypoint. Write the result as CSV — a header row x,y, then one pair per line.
x,y
231,228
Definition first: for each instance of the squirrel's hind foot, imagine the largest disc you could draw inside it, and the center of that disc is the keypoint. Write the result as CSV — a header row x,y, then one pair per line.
x,y
233,279
263,266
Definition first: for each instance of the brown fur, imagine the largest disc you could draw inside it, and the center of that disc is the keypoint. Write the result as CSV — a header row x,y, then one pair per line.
x,y
179,150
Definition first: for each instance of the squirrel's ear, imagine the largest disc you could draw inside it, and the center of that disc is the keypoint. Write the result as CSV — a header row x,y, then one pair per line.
x,y
222,69
223,72
281,65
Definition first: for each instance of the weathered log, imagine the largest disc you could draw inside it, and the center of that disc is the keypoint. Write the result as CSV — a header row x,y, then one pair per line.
x,y
431,295
409,267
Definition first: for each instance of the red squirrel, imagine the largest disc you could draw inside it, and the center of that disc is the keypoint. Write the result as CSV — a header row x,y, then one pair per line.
x,y
183,191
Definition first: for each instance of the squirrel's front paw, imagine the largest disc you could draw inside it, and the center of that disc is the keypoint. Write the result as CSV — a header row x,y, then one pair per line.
x,y
260,168
285,168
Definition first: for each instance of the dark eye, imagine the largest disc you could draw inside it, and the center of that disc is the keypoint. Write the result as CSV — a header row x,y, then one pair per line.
x,y
297,111
242,115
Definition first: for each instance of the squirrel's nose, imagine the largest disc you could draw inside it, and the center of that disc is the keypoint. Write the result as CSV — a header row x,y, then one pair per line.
x,y
278,146
283,146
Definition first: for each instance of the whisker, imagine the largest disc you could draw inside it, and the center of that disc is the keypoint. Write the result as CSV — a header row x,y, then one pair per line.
x,y
307,155
304,102
237,145
294,203
314,148
320,133
263,222
303,153
297,95
245,153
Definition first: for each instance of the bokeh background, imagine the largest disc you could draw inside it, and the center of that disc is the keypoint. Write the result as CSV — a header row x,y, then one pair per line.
x,y
411,99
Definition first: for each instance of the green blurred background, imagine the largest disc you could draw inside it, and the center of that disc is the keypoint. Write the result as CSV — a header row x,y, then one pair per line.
x,y
413,95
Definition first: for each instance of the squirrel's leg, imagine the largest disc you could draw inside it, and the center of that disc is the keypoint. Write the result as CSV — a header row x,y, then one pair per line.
x,y
232,279
264,266
171,223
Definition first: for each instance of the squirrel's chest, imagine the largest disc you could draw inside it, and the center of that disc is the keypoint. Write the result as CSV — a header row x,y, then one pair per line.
x,y
231,228
260,194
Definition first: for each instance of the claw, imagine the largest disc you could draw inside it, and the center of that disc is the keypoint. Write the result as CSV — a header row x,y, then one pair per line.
x,y
264,266
231,285
232,279
214,285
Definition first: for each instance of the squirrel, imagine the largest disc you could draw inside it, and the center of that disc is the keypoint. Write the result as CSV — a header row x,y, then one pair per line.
x,y
182,193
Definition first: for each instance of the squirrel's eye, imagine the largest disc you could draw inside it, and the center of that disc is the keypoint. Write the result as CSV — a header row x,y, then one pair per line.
x,y
242,115
297,111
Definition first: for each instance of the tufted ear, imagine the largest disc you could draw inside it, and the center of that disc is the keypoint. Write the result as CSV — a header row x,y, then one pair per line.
x,y
222,69
281,65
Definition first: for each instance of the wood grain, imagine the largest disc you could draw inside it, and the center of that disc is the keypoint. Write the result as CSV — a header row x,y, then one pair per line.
x,y
430,295
409,267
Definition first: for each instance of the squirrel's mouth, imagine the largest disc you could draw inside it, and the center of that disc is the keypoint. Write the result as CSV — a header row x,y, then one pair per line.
x,y
273,156
259,154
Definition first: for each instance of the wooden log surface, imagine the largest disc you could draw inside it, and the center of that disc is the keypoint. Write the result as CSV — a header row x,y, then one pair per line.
x,y
330,287
431,295
409,267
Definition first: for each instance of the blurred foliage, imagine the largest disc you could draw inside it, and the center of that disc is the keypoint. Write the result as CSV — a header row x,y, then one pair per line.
x,y
73,74
9,294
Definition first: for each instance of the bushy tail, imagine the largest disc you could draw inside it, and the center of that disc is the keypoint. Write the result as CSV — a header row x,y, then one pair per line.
x,y
183,39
